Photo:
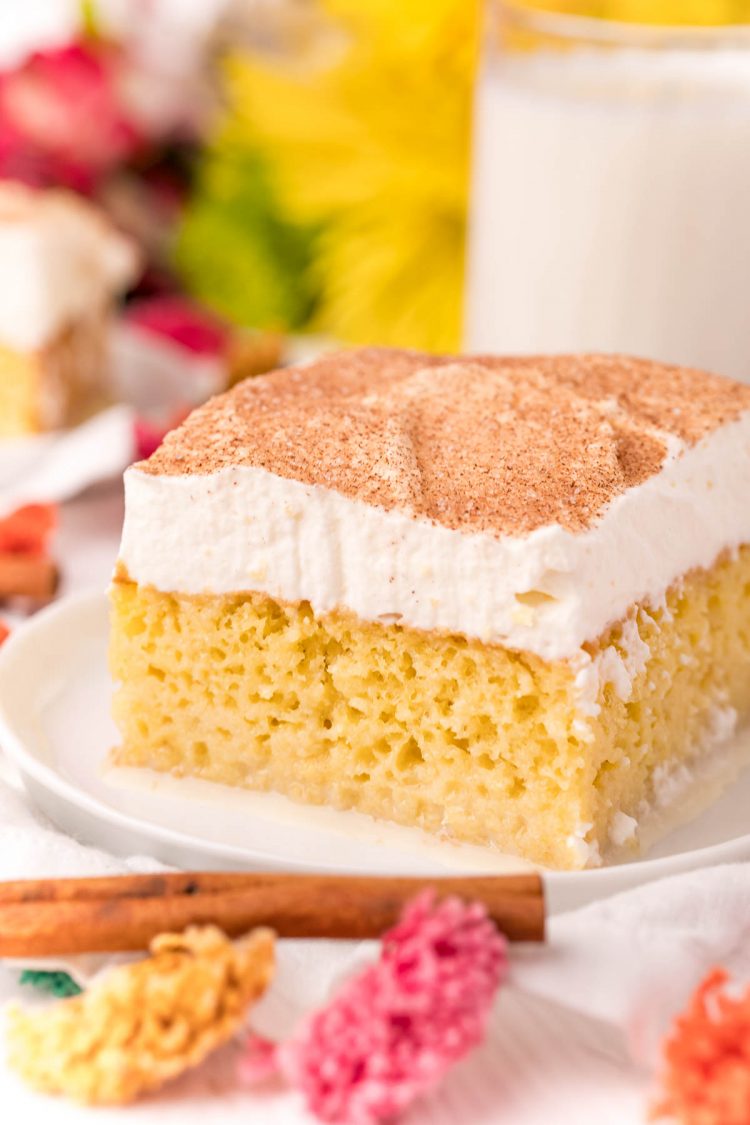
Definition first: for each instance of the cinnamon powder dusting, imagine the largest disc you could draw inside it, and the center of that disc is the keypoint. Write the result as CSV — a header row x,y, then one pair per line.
x,y
476,443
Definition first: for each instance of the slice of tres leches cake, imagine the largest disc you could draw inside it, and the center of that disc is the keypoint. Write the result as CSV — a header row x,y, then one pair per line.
x,y
503,600
64,264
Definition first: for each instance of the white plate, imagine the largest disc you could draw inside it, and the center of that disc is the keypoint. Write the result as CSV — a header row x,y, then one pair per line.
x,y
55,725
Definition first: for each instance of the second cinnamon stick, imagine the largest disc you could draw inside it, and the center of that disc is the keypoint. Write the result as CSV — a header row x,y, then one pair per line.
x,y
27,576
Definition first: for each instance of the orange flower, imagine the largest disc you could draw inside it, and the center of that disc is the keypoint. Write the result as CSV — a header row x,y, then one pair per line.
x,y
707,1059
27,530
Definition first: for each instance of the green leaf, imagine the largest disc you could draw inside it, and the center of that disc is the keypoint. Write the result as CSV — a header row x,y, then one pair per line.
x,y
57,984
236,253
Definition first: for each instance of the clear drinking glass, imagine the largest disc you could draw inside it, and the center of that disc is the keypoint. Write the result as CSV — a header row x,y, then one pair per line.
x,y
611,190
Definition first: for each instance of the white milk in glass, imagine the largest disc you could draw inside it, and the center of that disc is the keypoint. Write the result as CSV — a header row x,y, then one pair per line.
x,y
611,205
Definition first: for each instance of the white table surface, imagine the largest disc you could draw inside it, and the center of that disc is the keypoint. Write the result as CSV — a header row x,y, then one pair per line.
x,y
555,1067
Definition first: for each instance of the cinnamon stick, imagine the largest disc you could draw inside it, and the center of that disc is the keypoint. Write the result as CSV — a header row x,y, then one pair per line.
x,y
68,916
27,576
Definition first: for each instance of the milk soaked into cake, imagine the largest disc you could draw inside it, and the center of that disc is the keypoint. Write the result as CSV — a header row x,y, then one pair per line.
x,y
610,205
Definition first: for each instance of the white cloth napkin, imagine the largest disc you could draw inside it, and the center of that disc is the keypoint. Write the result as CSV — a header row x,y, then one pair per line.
x,y
629,962
633,960
51,468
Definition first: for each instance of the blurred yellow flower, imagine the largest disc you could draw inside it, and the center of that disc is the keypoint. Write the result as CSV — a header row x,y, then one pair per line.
x,y
364,143
374,148
695,12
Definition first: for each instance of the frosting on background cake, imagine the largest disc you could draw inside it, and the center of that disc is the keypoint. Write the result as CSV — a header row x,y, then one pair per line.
x,y
58,257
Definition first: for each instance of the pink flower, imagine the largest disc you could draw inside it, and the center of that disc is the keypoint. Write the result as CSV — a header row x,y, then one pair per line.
x,y
62,117
179,319
394,1030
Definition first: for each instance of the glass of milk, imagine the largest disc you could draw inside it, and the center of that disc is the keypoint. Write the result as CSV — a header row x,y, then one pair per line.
x,y
611,191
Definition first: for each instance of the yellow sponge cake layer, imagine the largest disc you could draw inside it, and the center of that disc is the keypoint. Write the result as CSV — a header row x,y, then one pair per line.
x,y
19,392
470,740
58,384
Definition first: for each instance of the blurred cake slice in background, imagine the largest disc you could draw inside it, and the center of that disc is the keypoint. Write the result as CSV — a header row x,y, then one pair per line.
x,y
62,265
503,600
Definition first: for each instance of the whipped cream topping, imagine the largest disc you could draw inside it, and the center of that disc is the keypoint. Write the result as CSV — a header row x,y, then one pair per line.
x,y
243,528
499,444
59,258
